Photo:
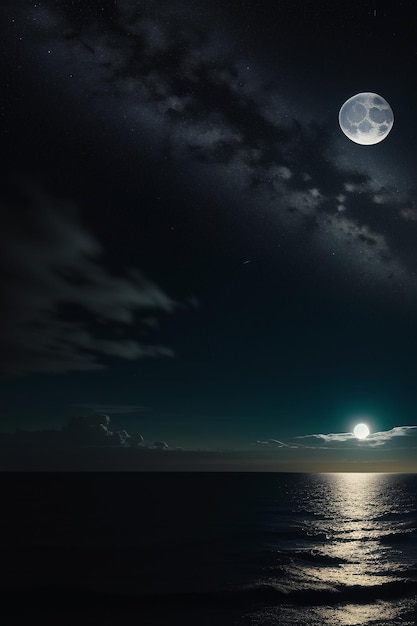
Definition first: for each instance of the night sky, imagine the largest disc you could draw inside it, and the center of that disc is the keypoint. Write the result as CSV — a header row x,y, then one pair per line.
x,y
190,244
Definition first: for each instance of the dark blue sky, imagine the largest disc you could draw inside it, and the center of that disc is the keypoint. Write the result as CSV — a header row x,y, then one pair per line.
x,y
189,242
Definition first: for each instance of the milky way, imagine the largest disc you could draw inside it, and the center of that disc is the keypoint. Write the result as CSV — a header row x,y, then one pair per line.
x,y
184,83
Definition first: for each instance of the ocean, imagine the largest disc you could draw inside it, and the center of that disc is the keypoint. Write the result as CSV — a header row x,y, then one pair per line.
x,y
220,549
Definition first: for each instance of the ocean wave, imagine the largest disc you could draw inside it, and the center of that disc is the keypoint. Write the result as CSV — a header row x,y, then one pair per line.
x,y
253,597
306,514
312,556
299,533
256,596
403,536
270,595
394,516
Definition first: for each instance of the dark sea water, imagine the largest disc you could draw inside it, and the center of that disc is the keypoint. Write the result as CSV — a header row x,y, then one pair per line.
x,y
250,549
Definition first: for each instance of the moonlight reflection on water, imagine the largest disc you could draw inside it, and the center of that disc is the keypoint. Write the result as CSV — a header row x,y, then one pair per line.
x,y
349,558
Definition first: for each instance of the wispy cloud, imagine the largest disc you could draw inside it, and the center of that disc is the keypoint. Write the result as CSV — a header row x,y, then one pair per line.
x,y
329,437
397,436
55,283
272,442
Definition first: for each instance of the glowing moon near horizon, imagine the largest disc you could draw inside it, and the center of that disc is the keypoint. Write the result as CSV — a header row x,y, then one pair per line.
x,y
361,431
366,118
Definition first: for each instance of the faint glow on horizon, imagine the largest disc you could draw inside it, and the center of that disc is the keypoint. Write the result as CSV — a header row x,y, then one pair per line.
x,y
361,431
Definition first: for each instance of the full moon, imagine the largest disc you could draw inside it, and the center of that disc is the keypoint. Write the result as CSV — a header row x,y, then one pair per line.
x,y
361,431
366,118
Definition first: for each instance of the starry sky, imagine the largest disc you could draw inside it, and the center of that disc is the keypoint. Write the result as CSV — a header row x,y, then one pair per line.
x,y
189,243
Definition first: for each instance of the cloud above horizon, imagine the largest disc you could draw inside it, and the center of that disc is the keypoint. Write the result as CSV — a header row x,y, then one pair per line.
x,y
271,442
92,436
398,436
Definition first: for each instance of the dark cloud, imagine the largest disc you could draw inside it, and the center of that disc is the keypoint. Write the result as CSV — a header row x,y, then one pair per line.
x,y
95,430
55,283
161,445
85,430
86,442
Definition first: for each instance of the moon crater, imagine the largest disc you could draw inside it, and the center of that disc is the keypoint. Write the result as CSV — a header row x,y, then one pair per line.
x,y
366,118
